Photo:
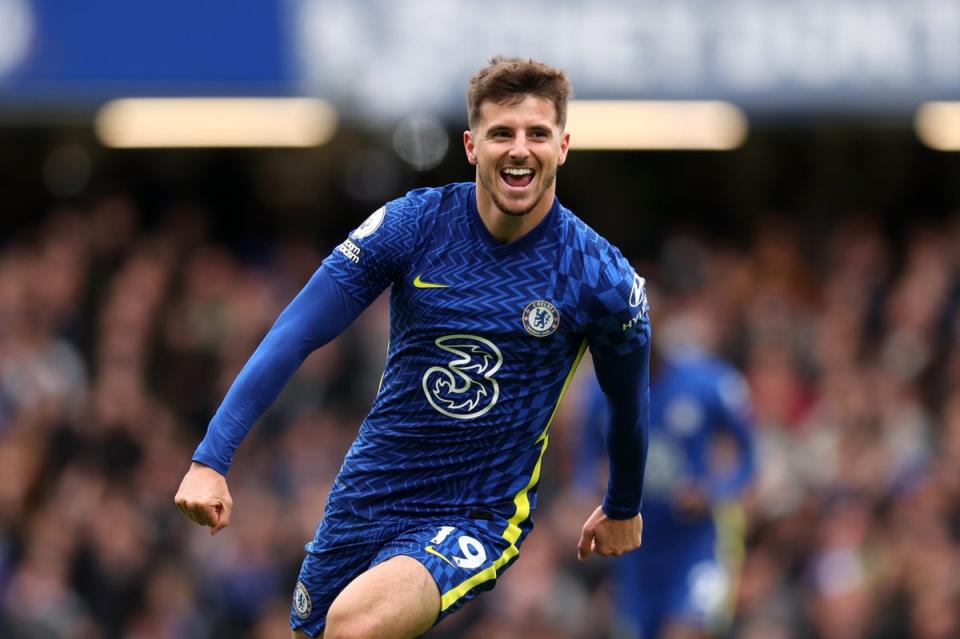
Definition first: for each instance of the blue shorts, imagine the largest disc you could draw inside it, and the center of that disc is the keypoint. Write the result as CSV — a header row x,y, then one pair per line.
x,y
689,577
465,556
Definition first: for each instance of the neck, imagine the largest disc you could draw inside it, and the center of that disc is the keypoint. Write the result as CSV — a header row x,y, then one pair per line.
x,y
506,227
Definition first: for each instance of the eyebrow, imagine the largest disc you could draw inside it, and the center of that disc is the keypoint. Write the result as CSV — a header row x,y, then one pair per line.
x,y
537,128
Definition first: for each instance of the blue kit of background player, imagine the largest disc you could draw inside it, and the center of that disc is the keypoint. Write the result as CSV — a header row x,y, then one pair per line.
x,y
700,458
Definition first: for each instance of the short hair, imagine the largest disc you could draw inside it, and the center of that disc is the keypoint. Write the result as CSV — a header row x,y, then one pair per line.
x,y
511,80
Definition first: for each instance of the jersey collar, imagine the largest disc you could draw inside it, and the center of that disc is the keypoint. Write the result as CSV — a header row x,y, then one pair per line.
x,y
510,247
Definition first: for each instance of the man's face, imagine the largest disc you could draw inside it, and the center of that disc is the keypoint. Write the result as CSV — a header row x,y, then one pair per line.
x,y
517,149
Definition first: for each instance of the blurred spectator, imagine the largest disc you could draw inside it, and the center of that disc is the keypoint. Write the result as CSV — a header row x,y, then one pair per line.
x,y
117,336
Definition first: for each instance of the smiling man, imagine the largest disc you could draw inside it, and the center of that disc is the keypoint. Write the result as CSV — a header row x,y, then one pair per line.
x,y
497,290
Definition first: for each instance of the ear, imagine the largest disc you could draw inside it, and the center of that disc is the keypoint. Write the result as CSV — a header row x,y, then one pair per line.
x,y
469,147
564,147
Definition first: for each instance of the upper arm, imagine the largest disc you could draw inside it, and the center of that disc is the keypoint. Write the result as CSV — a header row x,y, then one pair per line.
x,y
619,321
377,252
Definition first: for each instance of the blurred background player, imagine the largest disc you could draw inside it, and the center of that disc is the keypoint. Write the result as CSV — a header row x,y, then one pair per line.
x,y
681,583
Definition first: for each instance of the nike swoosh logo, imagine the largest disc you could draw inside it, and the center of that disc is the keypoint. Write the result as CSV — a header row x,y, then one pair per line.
x,y
431,550
418,283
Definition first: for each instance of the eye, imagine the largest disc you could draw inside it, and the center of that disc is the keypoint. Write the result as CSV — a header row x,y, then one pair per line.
x,y
500,134
539,134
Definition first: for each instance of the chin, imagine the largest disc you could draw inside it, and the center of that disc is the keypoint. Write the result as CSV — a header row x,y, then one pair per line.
x,y
515,208
518,207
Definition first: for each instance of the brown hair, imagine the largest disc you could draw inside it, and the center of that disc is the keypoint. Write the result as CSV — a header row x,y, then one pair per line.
x,y
510,80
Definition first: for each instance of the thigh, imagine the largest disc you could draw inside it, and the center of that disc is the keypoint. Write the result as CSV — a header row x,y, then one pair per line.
x,y
464,557
457,558
395,599
341,551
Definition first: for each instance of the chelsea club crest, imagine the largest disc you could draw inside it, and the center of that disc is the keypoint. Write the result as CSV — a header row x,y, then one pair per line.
x,y
301,601
540,318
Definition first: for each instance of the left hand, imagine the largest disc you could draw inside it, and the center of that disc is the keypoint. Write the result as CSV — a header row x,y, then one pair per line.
x,y
609,537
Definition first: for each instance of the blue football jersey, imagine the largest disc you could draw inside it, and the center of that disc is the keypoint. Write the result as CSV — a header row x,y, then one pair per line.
x,y
484,340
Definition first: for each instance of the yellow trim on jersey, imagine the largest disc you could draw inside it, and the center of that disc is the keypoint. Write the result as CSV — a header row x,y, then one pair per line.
x,y
383,374
522,501
380,383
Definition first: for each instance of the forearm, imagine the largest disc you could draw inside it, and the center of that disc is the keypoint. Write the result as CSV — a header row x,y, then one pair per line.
x,y
318,314
627,450
625,382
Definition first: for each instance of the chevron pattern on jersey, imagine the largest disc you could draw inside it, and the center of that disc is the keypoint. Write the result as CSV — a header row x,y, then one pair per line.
x,y
410,457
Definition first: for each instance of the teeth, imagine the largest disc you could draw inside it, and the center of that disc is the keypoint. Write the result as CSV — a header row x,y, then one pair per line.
x,y
517,171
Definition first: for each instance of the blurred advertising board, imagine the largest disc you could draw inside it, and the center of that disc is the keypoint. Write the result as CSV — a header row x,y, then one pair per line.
x,y
80,53
385,58
764,55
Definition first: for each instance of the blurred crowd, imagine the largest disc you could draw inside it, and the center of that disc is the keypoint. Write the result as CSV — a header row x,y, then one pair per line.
x,y
118,339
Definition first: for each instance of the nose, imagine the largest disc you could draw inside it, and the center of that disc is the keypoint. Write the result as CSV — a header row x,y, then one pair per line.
x,y
519,150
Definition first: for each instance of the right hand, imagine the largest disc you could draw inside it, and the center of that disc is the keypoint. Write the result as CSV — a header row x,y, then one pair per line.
x,y
203,496
691,503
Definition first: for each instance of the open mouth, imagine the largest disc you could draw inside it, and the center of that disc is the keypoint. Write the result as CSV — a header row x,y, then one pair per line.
x,y
517,177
